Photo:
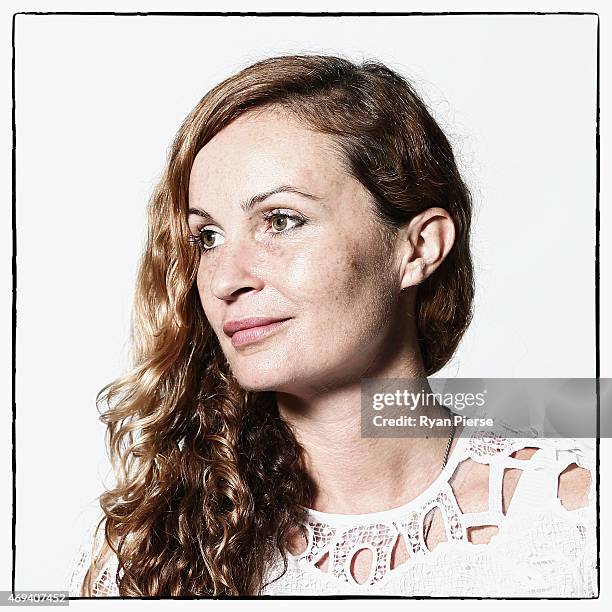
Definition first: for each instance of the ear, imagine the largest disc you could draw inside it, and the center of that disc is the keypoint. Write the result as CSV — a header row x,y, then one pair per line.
x,y
426,241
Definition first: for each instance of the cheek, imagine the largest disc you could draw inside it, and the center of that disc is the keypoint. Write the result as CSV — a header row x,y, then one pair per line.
x,y
200,283
313,277
371,285
206,298
343,279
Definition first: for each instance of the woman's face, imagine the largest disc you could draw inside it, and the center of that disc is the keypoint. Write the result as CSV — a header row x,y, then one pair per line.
x,y
289,238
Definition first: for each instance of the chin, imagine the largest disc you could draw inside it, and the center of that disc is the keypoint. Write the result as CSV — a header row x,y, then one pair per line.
x,y
255,379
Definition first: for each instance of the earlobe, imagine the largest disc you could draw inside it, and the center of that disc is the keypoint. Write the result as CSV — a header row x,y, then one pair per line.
x,y
413,273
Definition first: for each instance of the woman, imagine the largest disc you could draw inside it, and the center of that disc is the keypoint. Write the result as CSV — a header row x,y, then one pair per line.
x,y
312,230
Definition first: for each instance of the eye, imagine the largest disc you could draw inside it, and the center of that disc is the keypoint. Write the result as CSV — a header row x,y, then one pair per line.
x,y
283,221
206,239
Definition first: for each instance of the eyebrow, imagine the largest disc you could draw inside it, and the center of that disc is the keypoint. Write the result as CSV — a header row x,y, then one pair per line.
x,y
247,205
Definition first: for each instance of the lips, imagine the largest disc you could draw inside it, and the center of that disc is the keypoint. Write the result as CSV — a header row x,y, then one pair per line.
x,y
231,327
252,329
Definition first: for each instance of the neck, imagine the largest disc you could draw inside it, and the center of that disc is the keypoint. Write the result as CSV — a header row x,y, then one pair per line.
x,y
357,475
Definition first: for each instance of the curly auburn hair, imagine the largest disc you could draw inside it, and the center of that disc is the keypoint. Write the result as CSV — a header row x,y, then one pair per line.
x,y
210,481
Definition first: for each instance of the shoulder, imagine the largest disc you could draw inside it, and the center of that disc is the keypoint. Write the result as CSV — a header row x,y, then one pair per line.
x,y
567,464
575,465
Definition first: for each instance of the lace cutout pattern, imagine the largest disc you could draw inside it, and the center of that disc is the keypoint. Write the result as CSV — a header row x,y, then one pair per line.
x,y
342,544
378,538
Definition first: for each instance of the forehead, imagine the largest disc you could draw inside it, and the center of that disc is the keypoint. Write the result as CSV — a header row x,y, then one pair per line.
x,y
263,149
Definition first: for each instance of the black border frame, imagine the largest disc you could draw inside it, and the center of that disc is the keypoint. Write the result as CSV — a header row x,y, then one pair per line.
x,y
304,14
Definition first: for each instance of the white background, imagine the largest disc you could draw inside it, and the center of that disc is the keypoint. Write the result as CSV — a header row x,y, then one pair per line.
x,y
98,101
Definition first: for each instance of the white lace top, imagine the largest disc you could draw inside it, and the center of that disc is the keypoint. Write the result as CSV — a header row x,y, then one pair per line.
x,y
541,548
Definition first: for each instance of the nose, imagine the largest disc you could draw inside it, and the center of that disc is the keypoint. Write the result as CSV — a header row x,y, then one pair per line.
x,y
235,270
